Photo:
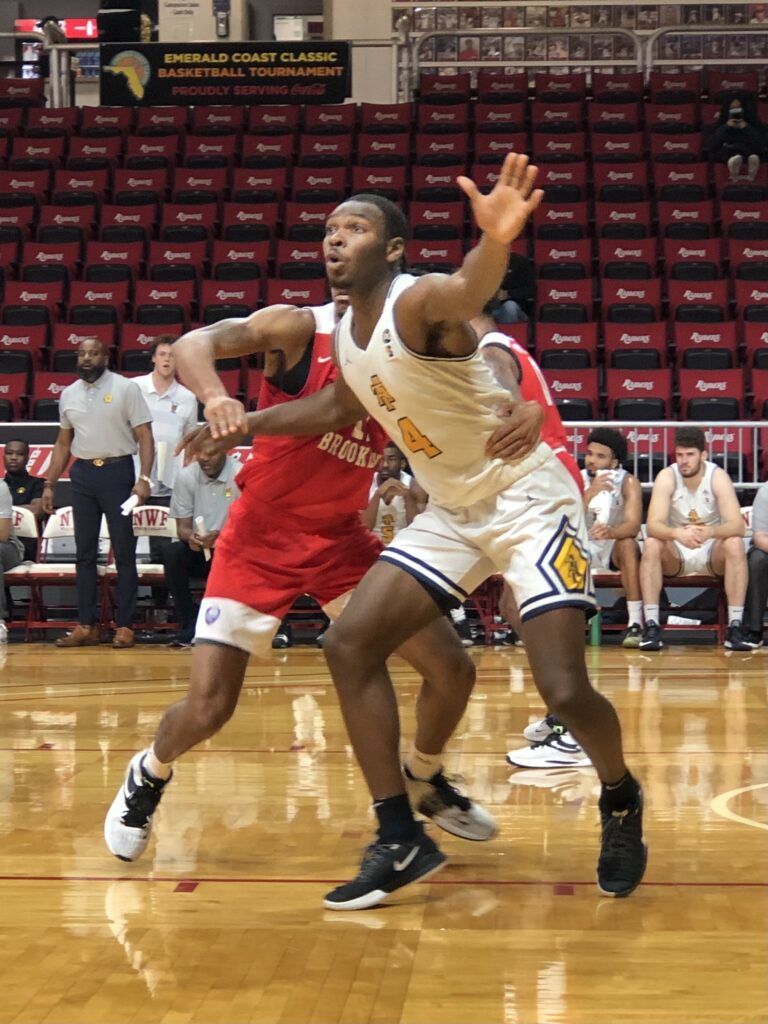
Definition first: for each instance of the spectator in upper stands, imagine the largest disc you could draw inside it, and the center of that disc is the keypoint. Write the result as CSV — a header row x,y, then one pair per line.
x,y
104,420
739,136
200,504
614,504
757,560
695,527
26,490
174,415
11,552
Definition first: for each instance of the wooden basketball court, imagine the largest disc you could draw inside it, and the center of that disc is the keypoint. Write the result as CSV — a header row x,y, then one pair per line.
x,y
222,921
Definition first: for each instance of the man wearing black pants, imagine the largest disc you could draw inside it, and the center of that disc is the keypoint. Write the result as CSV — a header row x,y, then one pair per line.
x,y
104,419
757,560
202,495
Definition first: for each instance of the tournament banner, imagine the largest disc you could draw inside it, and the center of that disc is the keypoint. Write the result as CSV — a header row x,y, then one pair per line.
x,y
167,74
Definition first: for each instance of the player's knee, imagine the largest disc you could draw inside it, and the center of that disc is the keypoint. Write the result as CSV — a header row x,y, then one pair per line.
x,y
344,647
652,548
734,548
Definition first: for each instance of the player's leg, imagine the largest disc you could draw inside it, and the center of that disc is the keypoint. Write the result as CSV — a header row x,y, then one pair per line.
x,y
448,676
545,547
625,555
660,558
728,559
396,599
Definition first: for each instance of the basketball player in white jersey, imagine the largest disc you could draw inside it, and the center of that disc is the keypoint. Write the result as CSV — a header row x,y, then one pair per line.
x,y
392,504
613,501
408,357
695,527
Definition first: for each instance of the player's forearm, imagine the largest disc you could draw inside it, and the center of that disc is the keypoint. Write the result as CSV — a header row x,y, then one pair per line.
x,y
315,414
760,541
368,515
624,530
477,280
196,353
660,530
729,528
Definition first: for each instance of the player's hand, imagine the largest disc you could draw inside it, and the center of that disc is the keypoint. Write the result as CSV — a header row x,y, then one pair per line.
x,y
600,531
226,416
502,214
142,490
519,433
597,486
392,489
200,439
688,536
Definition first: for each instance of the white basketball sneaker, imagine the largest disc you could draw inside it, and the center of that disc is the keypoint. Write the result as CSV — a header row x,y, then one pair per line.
x,y
558,750
537,732
128,824
447,807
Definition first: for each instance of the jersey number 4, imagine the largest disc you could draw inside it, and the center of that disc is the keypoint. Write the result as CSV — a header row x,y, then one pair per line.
x,y
415,441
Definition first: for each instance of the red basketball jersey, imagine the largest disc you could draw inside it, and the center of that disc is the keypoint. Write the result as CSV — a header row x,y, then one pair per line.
x,y
534,388
320,479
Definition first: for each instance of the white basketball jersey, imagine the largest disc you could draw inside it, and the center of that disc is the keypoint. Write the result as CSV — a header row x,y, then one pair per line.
x,y
610,509
391,518
699,506
440,411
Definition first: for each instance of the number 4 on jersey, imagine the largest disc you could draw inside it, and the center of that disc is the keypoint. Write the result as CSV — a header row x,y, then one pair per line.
x,y
415,441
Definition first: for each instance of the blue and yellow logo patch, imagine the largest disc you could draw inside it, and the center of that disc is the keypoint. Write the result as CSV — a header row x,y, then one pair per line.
x,y
570,563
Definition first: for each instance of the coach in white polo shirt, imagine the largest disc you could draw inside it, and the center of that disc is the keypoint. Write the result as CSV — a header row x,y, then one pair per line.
x,y
203,491
174,414
104,420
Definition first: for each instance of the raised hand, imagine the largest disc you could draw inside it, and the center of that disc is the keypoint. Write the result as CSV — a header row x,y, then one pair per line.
x,y
502,214
226,416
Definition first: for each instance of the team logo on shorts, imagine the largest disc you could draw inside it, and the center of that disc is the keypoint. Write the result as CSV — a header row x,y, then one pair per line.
x,y
565,562
211,614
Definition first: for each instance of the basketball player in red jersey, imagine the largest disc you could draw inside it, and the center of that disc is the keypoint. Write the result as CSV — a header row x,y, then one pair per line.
x,y
295,529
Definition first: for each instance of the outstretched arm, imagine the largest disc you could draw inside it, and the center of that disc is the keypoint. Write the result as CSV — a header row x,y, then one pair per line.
x,y
446,299
276,327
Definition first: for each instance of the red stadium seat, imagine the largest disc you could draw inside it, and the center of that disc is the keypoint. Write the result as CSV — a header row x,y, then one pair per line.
x,y
705,346
385,181
259,185
760,390
500,117
299,261
265,151
435,88
435,185
430,221
383,150
613,117
635,346
683,257
564,301
639,394
218,119
442,150
127,223
686,183
441,119
145,153
566,221
33,185
13,388
617,147
97,302
719,85
279,119
46,390
499,86
565,88
28,340
67,338
113,261
633,301
548,147
492,148
306,221
712,394
385,118
239,261
188,222
165,302
748,260
674,86
686,220
199,184
627,220
221,300
210,151
557,345
676,148
756,346
106,122
698,301
441,257
575,392
296,293
616,255
561,118
161,119
563,183
671,117
36,154
253,222
751,300
563,260
176,261
325,150
73,183
319,184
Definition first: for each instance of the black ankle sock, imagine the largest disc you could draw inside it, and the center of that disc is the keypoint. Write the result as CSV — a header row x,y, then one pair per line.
x,y
396,821
615,796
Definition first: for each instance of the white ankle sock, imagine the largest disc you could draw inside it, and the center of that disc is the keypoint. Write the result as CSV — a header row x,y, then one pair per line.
x,y
735,613
635,612
458,614
155,767
423,766
651,613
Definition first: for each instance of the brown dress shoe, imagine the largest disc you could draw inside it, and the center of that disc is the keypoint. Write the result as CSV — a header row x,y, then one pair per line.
x,y
123,637
81,636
